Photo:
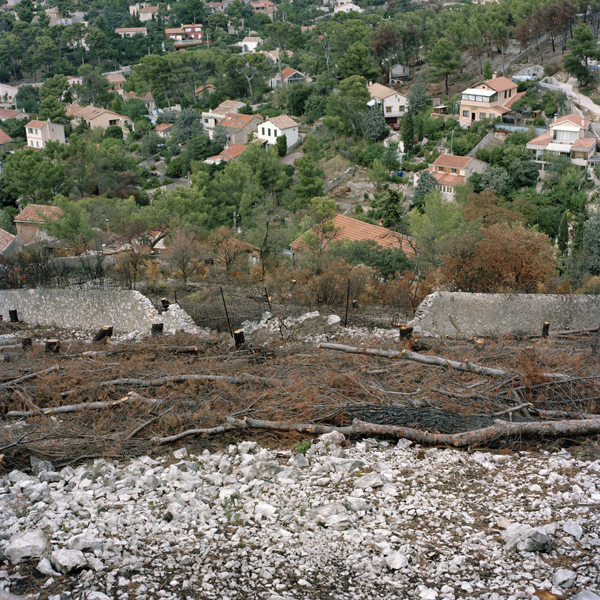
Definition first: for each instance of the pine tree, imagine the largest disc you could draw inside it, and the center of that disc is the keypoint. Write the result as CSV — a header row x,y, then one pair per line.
x,y
563,234
408,132
487,70
418,98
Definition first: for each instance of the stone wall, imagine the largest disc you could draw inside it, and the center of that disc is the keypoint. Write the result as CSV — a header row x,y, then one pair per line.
x,y
126,310
497,314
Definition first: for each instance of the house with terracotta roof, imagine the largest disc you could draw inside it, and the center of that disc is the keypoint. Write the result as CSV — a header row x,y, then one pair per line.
x,y
9,244
129,32
487,100
392,102
147,99
359,231
289,76
570,136
239,127
164,130
40,132
271,129
209,89
29,220
4,139
265,7
95,116
9,113
147,12
231,153
450,171
211,118
117,81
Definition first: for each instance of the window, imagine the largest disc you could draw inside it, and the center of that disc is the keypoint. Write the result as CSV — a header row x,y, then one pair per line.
x,y
454,171
36,131
482,115
402,109
263,131
269,131
481,98
275,132
206,120
388,109
29,130
466,113
565,136
37,144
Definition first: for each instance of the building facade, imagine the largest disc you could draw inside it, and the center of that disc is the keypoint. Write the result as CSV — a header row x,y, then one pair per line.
x,y
40,132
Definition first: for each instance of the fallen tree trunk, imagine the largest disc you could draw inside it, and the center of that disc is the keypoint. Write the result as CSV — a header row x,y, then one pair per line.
x,y
176,379
500,429
433,361
9,384
179,436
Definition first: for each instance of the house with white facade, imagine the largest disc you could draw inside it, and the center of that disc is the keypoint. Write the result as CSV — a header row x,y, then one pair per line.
x,y
250,44
450,171
129,32
271,129
347,7
393,104
211,118
41,132
398,73
570,136
289,76
8,93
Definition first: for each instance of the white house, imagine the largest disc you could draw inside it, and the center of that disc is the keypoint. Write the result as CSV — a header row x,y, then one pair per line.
x,y
394,104
211,118
450,171
289,76
271,129
8,93
398,73
347,7
250,44
40,132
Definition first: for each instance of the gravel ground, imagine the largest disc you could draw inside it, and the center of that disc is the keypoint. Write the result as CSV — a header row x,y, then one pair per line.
x,y
367,520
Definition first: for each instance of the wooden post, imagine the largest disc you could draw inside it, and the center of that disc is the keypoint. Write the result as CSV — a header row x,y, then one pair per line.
x,y
405,331
268,298
157,329
545,329
26,343
14,317
104,334
347,301
165,303
226,313
238,337
52,346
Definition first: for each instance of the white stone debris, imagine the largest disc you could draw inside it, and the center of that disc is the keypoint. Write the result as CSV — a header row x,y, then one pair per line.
x,y
343,521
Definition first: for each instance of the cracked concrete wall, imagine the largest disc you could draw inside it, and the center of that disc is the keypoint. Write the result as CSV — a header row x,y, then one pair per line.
x,y
127,311
497,314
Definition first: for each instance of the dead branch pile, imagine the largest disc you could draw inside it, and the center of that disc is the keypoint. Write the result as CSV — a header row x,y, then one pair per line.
x,y
136,399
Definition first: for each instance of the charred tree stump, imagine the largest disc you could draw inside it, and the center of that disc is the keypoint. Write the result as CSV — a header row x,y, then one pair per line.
x,y
104,334
14,317
157,329
354,304
52,346
165,303
546,329
26,343
405,332
238,337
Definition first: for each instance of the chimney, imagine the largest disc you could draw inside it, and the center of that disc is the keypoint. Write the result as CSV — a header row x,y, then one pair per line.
x,y
494,75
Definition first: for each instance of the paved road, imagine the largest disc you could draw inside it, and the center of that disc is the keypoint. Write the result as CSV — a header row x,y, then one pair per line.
x,y
291,157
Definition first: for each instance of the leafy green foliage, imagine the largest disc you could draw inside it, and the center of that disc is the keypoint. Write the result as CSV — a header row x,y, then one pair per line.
x,y
373,125
425,186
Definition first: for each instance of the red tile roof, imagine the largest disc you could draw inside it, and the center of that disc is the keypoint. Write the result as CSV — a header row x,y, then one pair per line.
x,y
584,143
499,84
5,239
4,138
288,71
238,121
510,101
163,126
450,160
36,213
358,231
450,179
575,119
283,122
7,113
541,140
36,124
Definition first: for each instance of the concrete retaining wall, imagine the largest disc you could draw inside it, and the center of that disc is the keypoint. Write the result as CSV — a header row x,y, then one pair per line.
x,y
88,310
497,314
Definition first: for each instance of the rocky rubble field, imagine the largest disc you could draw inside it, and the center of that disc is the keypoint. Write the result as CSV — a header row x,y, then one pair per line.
x,y
367,520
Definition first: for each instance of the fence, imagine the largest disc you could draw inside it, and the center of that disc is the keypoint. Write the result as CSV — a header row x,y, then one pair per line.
x,y
327,187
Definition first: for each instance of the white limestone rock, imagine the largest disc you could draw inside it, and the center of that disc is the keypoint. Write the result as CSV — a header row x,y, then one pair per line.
x,y
66,561
33,543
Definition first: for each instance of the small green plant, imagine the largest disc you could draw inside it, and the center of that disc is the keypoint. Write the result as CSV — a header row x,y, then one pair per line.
x,y
302,447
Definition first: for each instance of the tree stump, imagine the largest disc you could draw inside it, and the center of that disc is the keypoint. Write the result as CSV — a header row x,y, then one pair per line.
x,y
157,329
405,332
238,337
26,343
546,329
165,303
52,346
104,334
14,317
354,304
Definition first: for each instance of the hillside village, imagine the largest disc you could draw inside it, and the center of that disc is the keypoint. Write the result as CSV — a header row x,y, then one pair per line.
x,y
298,299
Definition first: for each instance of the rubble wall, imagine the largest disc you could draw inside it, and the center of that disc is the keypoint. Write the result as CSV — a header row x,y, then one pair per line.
x,y
497,314
127,311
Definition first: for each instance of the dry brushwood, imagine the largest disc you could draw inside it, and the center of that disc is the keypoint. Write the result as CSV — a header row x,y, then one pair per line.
x,y
434,361
12,383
